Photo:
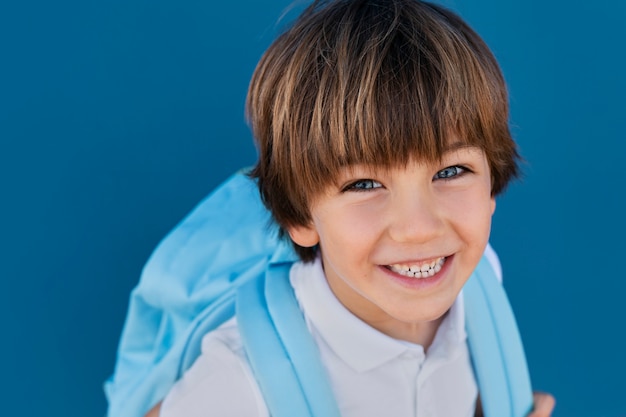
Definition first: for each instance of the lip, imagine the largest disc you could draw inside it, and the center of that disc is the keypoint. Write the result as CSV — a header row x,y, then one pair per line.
x,y
420,283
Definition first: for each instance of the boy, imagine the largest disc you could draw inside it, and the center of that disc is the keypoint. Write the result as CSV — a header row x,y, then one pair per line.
x,y
382,128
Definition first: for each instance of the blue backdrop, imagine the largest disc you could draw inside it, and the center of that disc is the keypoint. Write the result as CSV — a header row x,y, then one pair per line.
x,y
117,117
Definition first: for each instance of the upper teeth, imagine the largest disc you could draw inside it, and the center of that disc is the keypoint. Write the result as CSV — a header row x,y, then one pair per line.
x,y
422,270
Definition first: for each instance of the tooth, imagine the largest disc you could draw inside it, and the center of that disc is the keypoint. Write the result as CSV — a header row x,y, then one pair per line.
x,y
419,271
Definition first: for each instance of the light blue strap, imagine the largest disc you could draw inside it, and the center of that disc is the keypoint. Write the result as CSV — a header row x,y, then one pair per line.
x,y
298,342
496,346
268,359
282,353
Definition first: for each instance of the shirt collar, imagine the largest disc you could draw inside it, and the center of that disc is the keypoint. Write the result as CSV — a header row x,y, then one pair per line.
x,y
358,344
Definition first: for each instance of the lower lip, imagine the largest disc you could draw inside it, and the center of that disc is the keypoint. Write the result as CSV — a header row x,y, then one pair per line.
x,y
420,283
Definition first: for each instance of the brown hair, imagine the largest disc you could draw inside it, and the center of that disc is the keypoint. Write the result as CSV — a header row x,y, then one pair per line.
x,y
375,82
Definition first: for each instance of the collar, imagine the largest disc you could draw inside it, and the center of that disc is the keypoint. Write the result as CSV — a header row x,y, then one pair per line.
x,y
355,342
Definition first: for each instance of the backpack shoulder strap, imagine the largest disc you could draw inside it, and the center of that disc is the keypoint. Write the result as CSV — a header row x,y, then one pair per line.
x,y
282,353
496,346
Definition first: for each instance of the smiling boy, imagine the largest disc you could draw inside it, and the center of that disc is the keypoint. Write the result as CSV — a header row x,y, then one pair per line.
x,y
382,129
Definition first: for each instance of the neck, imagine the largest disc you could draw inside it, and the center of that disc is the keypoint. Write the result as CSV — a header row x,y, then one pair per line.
x,y
422,333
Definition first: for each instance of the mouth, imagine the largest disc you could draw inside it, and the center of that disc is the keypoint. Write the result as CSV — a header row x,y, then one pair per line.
x,y
423,269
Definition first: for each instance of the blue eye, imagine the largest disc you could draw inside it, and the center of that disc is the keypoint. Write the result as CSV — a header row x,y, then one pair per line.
x,y
363,185
449,172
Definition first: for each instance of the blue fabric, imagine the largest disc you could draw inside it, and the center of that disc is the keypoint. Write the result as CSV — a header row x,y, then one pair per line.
x,y
187,288
189,285
268,358
495,346
282,353
298,342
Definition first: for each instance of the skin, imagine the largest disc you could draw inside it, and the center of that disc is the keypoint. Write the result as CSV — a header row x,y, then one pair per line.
x,y
154,412
372,219
544,404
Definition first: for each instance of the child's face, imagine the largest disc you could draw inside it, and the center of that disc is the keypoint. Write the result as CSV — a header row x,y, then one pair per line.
x,y
376,224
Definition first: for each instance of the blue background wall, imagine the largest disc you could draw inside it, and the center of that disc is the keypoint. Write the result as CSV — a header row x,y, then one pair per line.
x,y
117,117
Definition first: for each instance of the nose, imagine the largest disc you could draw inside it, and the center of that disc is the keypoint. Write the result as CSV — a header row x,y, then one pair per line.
x,y
415,218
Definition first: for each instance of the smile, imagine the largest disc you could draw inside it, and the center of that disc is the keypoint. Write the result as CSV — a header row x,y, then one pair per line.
x,y
422,270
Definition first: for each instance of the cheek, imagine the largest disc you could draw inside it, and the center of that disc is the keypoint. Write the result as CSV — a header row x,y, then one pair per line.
x,y
471,212
481,222
348,231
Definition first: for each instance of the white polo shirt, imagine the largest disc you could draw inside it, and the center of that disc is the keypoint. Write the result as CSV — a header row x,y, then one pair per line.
x,y
372,374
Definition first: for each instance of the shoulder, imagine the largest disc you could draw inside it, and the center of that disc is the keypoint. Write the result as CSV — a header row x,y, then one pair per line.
x,y
219,384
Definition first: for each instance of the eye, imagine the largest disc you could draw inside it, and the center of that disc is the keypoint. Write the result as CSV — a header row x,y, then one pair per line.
x,y
363,185
450,172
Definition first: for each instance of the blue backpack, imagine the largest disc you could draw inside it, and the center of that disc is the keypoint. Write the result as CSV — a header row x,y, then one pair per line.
x,y
216,263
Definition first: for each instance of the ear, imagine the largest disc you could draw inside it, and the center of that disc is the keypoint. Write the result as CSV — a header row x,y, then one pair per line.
x,y
305,236
493,205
